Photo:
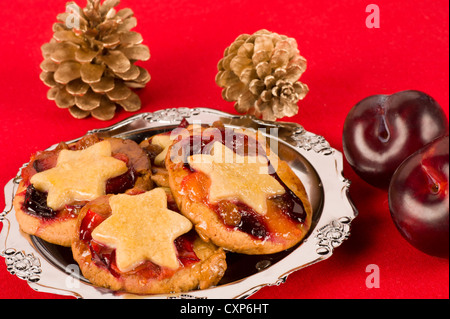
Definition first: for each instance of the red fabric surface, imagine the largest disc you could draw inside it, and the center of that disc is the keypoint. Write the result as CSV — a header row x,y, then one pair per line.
x,y
346,62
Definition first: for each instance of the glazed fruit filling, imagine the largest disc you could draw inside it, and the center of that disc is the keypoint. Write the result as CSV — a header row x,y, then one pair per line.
x,y
240,216
235,214
35,203
121,183
104,256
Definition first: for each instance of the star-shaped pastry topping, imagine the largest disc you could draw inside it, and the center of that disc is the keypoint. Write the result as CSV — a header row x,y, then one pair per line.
x,y
79,175
142,228
243,178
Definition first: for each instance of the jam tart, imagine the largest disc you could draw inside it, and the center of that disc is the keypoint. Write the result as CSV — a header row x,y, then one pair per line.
x,y
141,244
236,191
57,183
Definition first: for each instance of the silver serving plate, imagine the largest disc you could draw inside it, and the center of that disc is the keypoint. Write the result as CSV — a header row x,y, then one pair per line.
x,y
50,268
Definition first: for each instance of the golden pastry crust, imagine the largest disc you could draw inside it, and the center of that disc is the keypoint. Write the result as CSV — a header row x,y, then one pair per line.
x,y
59,228
283,233
199,275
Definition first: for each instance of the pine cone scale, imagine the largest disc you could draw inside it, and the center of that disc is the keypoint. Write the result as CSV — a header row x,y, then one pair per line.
x,y
120,92
301,89
140,81
77,87
48,48
91,73
280,59
63,99
263,69
256,87
88,101
116,61
85,56
111,41
132,74
108,5
137,52
48,66
78,113
264,44
125,13
293,73
132,103
67,72
226,78
233,91
52,93
131,37
127,24
48,78
106,110
66,35
106,84
63,53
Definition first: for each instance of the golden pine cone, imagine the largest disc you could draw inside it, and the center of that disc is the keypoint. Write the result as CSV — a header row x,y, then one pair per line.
x,y
261,72
89,66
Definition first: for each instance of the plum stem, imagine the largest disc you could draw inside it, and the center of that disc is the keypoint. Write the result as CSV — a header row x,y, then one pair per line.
x,y
433,178
383,130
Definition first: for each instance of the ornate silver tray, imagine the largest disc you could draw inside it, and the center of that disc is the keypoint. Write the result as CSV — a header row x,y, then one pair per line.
x,y
50,268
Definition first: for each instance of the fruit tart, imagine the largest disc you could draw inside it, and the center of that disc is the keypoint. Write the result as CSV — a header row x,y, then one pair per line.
x,y
57,183
139,243
236,191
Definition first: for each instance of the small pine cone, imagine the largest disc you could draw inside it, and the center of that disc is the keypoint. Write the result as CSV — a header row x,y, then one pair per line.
x,y
261,72
89,66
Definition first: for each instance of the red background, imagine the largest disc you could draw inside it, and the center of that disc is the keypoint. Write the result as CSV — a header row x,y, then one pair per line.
x,y
346,62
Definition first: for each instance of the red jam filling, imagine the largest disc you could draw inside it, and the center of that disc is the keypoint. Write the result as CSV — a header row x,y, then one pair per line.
x,y
35,203
104,256
120,184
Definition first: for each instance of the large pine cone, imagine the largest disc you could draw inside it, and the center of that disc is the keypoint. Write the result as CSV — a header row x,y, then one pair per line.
x,y
261,72
89,66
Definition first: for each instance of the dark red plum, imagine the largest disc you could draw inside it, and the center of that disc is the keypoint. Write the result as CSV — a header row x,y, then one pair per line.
x,y
419,198
383,130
